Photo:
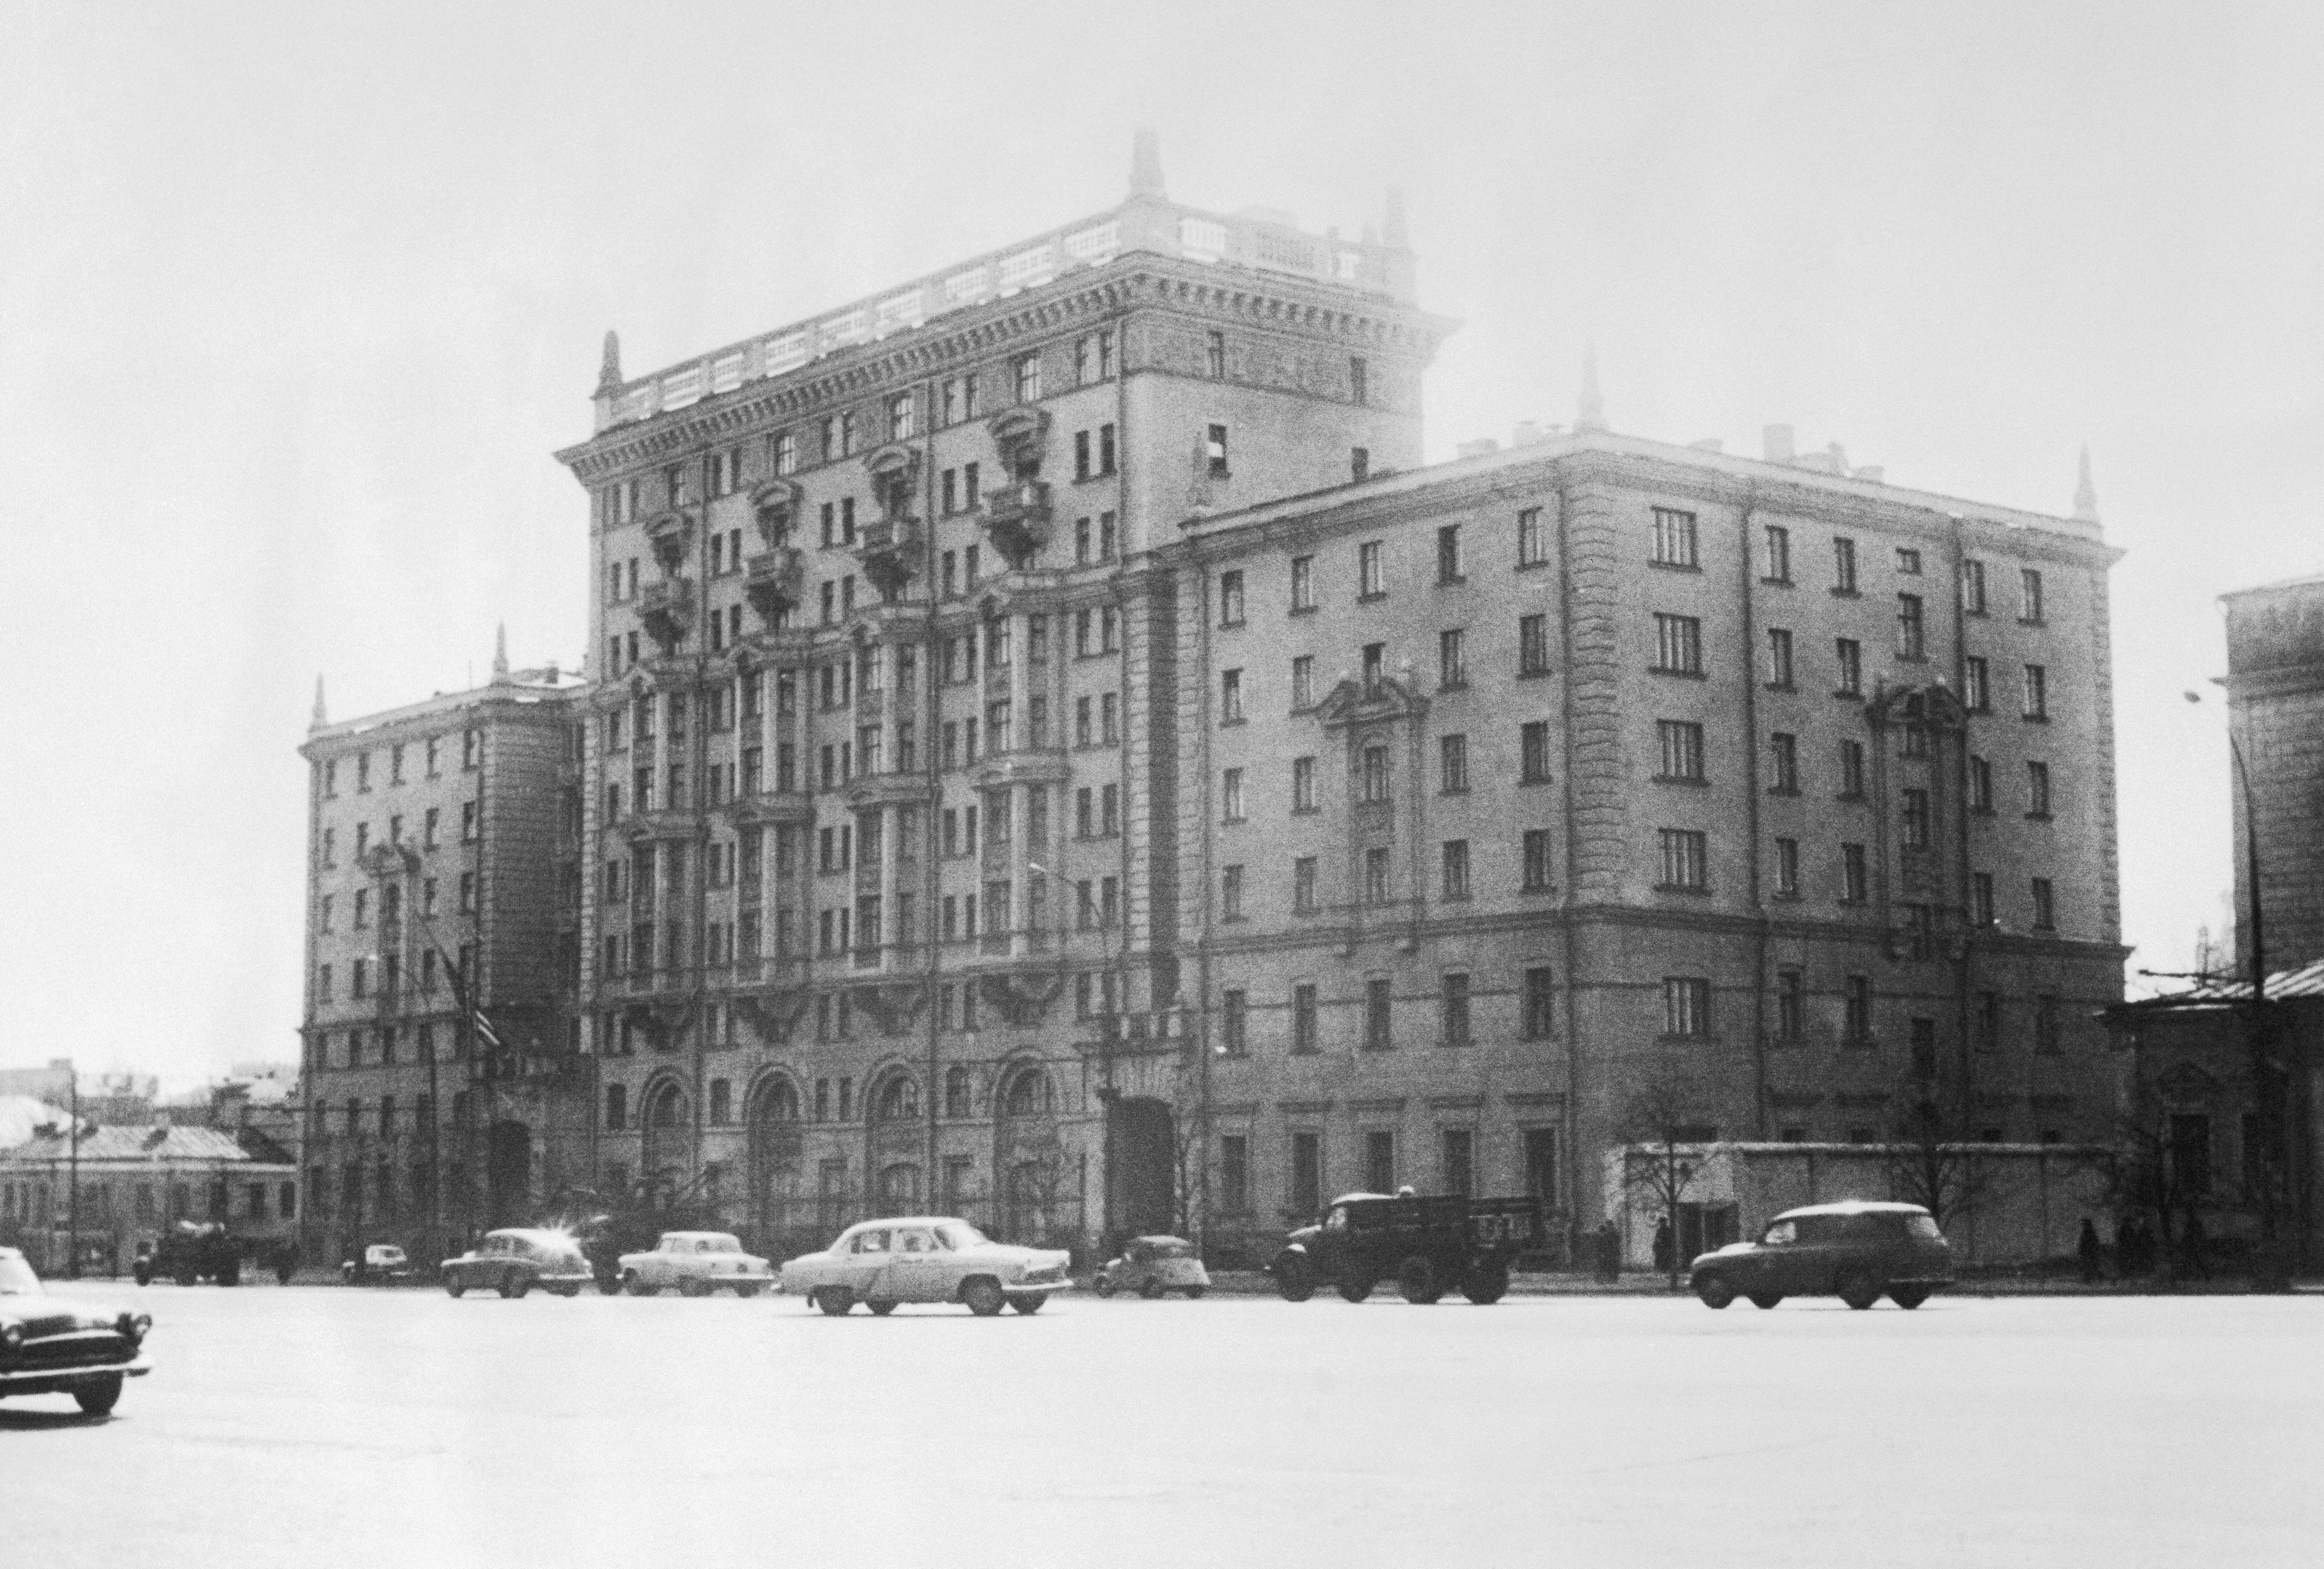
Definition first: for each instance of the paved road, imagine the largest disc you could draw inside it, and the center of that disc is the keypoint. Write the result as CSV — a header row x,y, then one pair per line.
x,y
345,1427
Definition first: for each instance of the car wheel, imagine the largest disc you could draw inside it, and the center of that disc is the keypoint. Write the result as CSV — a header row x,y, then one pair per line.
x,y
880,1310
1416,1278
1195,1293
1355,1290
515,1286
835,1301
750,1289
568,1292
1908,1296
1295,1277
610,1284
1859,1290
1715,1290
985,1297
693,1288
1485,1284
1766,1298
99,1396
1028,1303
454,1285
1149,1288
1103,1286
635,1284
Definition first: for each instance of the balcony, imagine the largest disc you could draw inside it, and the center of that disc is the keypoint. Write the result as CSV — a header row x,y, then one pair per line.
x,y
1017,518
1026,765
773,806
890,551
666,609
774,582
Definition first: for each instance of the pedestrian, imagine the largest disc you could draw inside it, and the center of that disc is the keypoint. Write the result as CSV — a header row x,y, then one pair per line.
x,y
1609,1250
1666,1246
2089,1250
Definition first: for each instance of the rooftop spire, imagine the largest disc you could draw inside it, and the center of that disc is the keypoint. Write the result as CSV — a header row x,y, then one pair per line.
x,y
322,716
500,655
2086,495
609,374
1591,414
1393,233
1145,164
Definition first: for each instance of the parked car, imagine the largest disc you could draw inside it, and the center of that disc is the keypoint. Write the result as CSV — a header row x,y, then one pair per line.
x,y
49,1349
925,1258
1854,1251
381,1264
514,1260
1152,1266
1427,1246
192,1251
697,1264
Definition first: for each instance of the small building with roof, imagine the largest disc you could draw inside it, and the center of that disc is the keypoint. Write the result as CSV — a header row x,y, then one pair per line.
x,y
134,1182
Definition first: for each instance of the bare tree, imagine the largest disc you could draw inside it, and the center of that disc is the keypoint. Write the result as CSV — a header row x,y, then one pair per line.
x,y
1661,1117
1933,1155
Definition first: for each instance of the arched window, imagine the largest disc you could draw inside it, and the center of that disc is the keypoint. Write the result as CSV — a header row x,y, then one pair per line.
x,y
1030,1093
668,1108
957,1093
899,1100
777,1102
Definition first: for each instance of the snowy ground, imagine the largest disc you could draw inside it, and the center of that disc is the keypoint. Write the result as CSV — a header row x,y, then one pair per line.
x,y
346,1427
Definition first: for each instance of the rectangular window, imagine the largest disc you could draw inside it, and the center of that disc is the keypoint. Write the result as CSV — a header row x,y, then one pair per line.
x,y
1537,858
1856,1026
1379,1160
1374,774
1214,449
1214,356
1028,378
1976,695
1540,1020
1303,885
1231,894
1231,599
1675,540
1532,753
1230,696
1686,859
1910,633
1371,581
1776,563
2048,1036
1533,539
1379,1015
1986,1021
1459,1148
1850,654
1533,645
2029,595
1375,667
1843,565
1452,764
2045,912
1678,645
1303,784
1303,583
1784,763
1791,1004
1234,1019
1304,1027
1303,682
1452,660
2037,692
1234,1174
1306,1195
1972,588
1908,561
2037,789
1779,658
1916,820
1360,464
1376,876
1231,795
1455,856
1686,1005
1682,746
1787,868
1448,554
1980,899
1358,380
1455,1021
1853,881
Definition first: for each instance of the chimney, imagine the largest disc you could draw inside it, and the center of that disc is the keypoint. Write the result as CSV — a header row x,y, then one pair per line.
x,y
1527,433
609,369
1778,443
1145,164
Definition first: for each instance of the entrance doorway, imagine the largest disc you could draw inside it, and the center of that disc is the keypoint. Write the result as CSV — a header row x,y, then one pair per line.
x,y
1141,1179
508,1172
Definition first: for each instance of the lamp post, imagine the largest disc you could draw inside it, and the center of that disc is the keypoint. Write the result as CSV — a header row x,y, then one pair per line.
x,y
72,1168
2265,1091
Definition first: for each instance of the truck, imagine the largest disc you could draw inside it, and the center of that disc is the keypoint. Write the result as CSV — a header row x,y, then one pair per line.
x,y
1426,1245
190,1252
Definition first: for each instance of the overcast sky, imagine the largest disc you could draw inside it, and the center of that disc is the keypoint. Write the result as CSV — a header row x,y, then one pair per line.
x,y
296,301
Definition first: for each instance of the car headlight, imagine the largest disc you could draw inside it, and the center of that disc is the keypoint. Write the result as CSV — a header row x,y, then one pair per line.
x,y
13,1336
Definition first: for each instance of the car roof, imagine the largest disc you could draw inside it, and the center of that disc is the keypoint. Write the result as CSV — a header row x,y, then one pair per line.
x,y
696,1235
905,1221
1855,1207
533,1234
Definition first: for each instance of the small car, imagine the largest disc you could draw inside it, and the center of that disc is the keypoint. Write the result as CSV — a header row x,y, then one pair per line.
x,y
381,1264
517,1259
1855,1251
1152,1266
697,1264
49,1349
1426,1245
925,1258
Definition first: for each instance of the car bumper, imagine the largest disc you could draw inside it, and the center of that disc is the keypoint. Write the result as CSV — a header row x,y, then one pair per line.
x,y
57,1380
1028,1287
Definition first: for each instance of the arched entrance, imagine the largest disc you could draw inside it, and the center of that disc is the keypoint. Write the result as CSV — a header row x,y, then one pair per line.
x,y
508,1174
1141,1167
669,1141
775,1144
1029,1156
892,1108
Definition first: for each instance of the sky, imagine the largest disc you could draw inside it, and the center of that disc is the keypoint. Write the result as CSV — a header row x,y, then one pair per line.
x,y
297,302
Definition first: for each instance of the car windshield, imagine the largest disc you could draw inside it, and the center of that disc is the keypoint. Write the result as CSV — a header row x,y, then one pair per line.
x,y
17,1280
958,1234
721,1245
1925,1226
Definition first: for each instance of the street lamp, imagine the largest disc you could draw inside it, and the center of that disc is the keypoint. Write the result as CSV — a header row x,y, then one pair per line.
x,y
2265,1087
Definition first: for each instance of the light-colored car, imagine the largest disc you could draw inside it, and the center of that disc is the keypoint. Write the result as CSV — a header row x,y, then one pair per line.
x,y
49,1347
697,1264
1152,1266
925,1258
514,1260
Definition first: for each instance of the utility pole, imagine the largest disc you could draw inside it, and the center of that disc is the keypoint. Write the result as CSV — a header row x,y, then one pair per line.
x,y
72,1168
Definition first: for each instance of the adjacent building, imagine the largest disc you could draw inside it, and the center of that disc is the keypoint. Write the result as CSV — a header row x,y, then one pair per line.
x,y
2275,696
134,1181
1050,753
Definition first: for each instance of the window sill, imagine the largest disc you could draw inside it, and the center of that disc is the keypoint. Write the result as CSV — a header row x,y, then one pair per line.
x,y
1544,891
1459,684
1532,675
2038,817
1785,895
1302,610
1371,599
1699,1038
1236,625
1846,594
1231,720
1453,791
1776,583
1307,811
1781,687
1677,675
2033,621
1454,898
1530,566
1455,581
2035,718
1845,695
1675,566
1673,778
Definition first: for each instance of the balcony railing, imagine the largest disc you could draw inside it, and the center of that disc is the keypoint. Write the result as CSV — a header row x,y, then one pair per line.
x,y
774,580
1017,518
666,609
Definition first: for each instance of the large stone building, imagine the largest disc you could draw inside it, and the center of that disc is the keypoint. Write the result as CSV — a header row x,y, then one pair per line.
x,y
1050,753
2275,694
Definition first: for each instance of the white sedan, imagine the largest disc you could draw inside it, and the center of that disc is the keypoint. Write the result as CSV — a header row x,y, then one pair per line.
x,y
697,1264
926,1259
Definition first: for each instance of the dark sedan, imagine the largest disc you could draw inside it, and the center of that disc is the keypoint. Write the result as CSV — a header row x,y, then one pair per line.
x,y
515,1260
1855,1251
49,1349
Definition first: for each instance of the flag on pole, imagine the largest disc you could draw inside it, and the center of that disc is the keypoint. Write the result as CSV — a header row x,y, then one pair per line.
x,y
485,1029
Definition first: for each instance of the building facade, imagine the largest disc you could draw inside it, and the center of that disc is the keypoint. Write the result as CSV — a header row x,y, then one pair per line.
x,y
135,1181
1051,755
2275,696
